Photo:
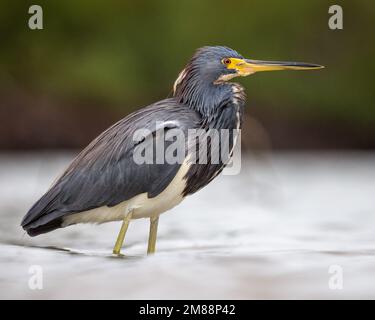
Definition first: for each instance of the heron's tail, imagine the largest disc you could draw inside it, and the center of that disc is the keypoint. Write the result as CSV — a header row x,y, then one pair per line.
x,y
43,216
33,231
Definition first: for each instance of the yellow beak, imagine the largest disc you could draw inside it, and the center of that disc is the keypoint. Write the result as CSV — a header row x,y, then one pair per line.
x,y
246,67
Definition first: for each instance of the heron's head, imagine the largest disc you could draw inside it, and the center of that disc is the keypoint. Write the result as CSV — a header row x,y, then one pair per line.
x,y
212,66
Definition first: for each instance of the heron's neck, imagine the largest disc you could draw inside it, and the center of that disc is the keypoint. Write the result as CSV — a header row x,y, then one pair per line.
x,y
206,97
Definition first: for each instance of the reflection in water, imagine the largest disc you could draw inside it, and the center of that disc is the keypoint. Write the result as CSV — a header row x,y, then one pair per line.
x,y
271,232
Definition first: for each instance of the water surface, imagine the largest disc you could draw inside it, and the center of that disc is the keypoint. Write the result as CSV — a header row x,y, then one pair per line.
x,y
271,232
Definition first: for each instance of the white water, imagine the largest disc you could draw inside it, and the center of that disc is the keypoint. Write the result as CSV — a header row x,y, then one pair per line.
x,y
271,232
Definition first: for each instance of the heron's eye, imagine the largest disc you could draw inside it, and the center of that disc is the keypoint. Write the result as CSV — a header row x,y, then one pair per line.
x,y
226,61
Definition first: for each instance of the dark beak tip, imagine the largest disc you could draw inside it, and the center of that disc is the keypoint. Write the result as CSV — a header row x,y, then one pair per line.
x,y
307,65
317,66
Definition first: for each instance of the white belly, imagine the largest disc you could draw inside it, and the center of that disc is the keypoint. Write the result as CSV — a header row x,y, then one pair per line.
x,y
140,205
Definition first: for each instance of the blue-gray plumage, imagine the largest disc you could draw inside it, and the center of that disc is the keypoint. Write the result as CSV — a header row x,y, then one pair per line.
x,y
104,173
104,183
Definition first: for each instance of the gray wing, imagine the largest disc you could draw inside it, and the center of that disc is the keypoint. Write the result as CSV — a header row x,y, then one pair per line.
x,y
105,173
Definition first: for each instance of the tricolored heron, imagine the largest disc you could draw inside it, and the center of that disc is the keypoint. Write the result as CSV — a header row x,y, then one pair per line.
x,y
104,183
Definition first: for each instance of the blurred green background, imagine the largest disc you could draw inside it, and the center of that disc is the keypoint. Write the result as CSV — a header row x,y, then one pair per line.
x,y
96,61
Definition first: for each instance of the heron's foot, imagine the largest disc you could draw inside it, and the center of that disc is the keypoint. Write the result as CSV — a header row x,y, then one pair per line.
x,y
121,235
152,235
118,254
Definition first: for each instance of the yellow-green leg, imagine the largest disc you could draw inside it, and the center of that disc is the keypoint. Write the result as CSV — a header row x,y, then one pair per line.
x,y
152,235
121,235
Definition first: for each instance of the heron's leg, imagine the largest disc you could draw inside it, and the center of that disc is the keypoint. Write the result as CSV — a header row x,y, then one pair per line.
x,y
121,235
152,235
